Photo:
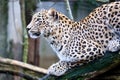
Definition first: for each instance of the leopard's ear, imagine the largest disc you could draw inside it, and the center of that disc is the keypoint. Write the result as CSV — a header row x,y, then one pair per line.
x,y
53,14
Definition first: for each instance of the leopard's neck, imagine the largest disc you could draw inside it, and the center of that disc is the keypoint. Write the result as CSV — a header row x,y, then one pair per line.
x,y
59,36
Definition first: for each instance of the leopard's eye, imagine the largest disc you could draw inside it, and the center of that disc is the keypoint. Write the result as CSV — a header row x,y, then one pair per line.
x,y
38,19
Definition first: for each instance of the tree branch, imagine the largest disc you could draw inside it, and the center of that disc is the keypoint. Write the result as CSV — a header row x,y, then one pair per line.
x,y
69,9
17,73
94,68
87,71
22,65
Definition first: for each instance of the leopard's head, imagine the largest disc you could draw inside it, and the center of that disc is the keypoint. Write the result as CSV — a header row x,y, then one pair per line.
x,y
41,22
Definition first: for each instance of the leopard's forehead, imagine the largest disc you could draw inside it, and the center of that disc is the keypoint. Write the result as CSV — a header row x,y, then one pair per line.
x,y
40,13
45,14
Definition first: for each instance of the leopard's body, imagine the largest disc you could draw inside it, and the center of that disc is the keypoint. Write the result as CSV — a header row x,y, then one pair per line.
x,y
78,42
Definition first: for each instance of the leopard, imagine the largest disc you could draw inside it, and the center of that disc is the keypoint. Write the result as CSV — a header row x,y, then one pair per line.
x,y
78,42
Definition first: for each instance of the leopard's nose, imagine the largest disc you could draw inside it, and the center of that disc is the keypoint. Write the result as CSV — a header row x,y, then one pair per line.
x,y
28,29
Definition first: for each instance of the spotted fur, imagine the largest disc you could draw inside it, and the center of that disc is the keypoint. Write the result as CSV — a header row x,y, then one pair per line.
x,y
78,42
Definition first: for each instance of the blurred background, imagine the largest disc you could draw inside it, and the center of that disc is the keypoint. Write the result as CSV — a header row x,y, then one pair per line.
x,y
14,17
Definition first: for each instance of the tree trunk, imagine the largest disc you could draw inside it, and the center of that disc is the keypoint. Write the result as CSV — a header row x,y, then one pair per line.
x,y
3,32
33,47
15,32
33,51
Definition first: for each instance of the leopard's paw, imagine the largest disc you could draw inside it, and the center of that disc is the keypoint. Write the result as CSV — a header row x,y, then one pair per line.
x,y
58,68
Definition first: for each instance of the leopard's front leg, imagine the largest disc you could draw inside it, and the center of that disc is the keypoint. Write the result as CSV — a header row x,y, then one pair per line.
x,y
58,68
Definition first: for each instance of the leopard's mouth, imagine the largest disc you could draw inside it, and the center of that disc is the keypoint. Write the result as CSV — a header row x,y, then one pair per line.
x,y
34,35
